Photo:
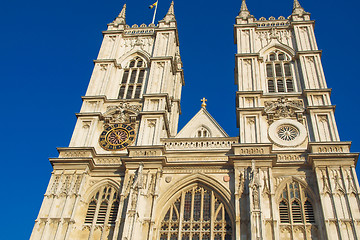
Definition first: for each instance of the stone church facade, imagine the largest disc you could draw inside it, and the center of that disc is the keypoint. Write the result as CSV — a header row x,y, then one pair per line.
x,y
128,172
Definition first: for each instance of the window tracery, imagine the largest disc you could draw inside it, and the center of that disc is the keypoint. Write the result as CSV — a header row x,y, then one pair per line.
x,y
295,207
279,72
103,208
132,82
198,213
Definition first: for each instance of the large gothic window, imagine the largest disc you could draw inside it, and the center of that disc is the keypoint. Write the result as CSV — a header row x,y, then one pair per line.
x,y
198,213
132,82
279,72
296,211
103,208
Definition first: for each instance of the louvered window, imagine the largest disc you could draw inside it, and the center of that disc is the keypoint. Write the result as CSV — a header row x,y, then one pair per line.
x,y
90,212
197,213
309,212
99,213
284,212
296,212
281,64
132,82
295,208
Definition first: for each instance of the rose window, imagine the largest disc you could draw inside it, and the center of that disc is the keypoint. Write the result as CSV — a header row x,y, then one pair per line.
x,y
287,132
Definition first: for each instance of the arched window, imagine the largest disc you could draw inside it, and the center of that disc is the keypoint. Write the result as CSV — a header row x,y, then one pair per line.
x,y
198,213
202,132
278,72
103,208
295,206
132,82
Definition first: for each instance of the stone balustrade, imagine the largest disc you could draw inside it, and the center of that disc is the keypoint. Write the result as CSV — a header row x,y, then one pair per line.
x,y
199,144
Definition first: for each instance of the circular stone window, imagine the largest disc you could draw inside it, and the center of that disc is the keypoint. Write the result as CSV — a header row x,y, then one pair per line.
x,y
287,133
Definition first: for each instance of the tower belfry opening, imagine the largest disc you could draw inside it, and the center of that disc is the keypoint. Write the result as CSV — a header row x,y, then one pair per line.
x,y
129,173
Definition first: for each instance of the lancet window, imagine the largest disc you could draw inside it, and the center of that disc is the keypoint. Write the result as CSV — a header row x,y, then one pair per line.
x,y
279,73
197,214
132,82
295,207
103,208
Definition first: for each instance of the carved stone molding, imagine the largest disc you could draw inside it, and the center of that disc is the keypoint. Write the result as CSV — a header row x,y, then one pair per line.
x,y
122,113
107,161
284,108
291,158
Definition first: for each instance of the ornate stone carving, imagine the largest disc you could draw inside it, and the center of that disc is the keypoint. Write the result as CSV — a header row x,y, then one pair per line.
x,y
284,108
325,182
122,113
241,184
291,158
168,179
107,161
75,154
198,144
331,149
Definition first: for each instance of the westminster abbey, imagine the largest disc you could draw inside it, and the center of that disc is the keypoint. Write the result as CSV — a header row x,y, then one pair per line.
x,y
130,174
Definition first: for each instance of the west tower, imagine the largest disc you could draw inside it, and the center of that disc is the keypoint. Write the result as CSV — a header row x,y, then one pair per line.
x,y
128,172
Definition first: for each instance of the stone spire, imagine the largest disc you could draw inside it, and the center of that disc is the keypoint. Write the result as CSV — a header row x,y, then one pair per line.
x,y
244,12
121,18
297,9
170,16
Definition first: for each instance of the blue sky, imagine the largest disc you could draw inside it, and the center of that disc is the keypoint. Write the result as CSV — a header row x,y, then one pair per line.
x,y
47,48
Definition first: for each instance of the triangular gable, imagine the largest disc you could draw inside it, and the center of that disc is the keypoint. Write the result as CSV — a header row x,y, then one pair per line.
x,y
202,119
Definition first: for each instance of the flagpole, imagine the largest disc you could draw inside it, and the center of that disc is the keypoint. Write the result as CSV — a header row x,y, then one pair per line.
x,y
155,12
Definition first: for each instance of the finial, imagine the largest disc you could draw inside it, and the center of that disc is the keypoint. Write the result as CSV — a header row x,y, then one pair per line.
x,y
123,11
296,4
171,9
243,6
170,15
297,9
120,19
203,105
244,11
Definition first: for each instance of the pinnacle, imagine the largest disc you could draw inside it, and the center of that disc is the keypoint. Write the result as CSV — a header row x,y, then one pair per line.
x,y
296,4
244,11
120,19
123,11
297,9
170,15
171,9
243,6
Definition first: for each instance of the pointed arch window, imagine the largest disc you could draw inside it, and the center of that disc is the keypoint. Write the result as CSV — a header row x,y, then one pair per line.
x,y
198,213
103,208
132,82
295,207
279,72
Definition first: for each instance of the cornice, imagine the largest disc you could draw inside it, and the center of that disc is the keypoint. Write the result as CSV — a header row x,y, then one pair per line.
x,y
292,23
306,92
112,31
298,53
106,100
246,25
238,55
314,108
250,109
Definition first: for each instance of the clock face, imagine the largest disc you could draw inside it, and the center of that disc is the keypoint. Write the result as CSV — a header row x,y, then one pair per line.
x,y
117,137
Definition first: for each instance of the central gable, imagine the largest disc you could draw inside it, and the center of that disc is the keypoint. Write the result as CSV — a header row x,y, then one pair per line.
x,y
202,125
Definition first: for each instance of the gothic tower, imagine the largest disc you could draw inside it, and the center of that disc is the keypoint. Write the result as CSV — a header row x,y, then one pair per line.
x,y
128,172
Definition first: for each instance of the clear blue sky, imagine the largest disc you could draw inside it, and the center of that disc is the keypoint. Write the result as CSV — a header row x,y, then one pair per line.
x,y
47,48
